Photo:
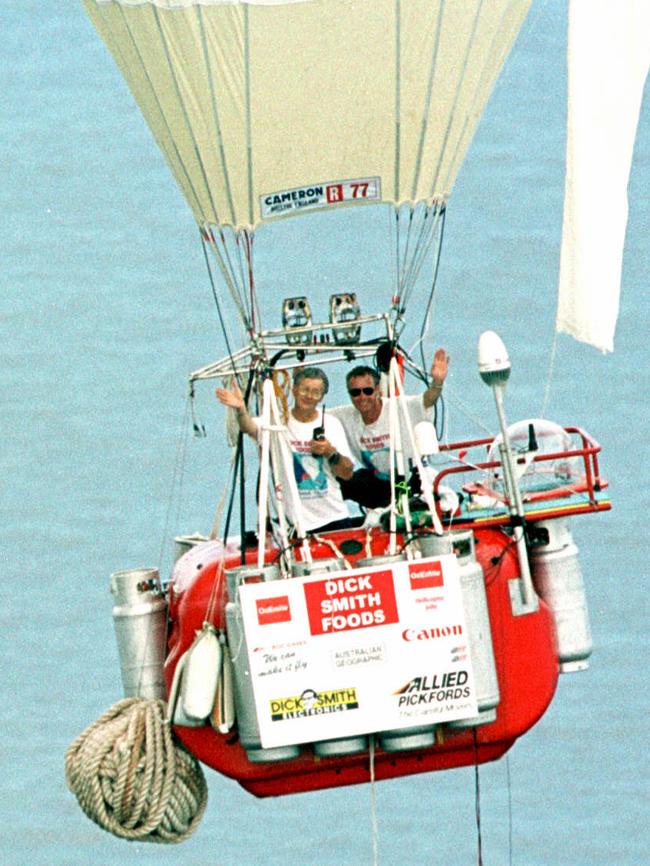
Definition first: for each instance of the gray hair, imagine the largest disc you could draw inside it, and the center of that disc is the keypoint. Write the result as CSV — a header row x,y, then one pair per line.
x,y
311,373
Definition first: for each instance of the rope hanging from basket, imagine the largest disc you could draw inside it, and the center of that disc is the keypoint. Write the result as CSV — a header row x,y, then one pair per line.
x,y
132,779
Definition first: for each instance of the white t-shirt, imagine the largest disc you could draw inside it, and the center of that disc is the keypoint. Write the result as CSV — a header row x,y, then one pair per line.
x,y
370,443
319,491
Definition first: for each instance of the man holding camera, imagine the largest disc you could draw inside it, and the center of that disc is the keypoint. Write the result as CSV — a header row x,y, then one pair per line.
x,y
319,450
367,426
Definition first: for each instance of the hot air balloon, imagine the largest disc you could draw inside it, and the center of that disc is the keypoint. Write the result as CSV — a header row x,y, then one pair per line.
x,y
429,633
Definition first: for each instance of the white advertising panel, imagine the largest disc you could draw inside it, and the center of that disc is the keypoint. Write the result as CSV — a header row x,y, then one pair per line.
x,y
358,651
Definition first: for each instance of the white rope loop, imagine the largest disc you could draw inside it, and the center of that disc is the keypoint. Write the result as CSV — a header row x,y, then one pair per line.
x,y
132,779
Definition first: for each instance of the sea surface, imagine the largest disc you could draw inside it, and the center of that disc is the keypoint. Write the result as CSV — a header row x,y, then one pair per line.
x,y
106,308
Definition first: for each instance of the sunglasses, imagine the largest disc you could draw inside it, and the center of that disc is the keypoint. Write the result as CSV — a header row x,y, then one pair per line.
x,y
355,392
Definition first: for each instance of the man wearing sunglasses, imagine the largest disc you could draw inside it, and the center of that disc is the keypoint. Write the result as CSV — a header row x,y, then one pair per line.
x,y
366,424
319,449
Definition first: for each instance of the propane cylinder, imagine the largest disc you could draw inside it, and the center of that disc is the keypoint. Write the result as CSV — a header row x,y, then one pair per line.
x,y
245,711
140,620
249,574
401,739
558,581
387,559
303,568
479,636
434,545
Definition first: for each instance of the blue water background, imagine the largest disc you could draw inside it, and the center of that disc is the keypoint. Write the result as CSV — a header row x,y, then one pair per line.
x,y
106,308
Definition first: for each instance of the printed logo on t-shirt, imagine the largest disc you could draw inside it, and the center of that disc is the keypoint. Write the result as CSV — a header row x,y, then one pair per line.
x,y
314,484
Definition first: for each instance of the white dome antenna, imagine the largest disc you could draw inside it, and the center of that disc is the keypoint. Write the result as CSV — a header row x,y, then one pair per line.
x,y
493,360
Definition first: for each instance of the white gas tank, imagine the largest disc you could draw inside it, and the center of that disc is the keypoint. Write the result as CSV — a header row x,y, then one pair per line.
x,y
558,581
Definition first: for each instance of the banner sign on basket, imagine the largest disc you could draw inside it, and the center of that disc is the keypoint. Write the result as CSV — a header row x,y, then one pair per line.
x,y
354,652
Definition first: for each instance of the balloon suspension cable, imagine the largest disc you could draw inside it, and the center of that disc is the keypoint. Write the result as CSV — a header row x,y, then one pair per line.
x,y
233,482
177,480
401,258
247,237
236,474
242,504
394,244
426,321
216,298
218,514
431,219
238,275
549,376
239,457
236,269
411,249
219,246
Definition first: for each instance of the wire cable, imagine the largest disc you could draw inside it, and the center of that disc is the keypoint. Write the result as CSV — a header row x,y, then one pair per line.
x,y
216,301
509,785
426,321
477,801
176,486
549,376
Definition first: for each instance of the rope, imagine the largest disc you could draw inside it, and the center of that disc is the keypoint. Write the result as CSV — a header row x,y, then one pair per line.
x,y
332,546
368,543
131,779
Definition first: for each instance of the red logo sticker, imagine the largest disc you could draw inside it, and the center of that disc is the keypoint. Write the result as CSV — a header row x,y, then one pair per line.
x,y
425,575
353,602
271,610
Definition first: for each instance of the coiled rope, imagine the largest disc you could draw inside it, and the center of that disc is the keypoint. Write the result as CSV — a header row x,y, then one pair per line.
x,y
132,779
